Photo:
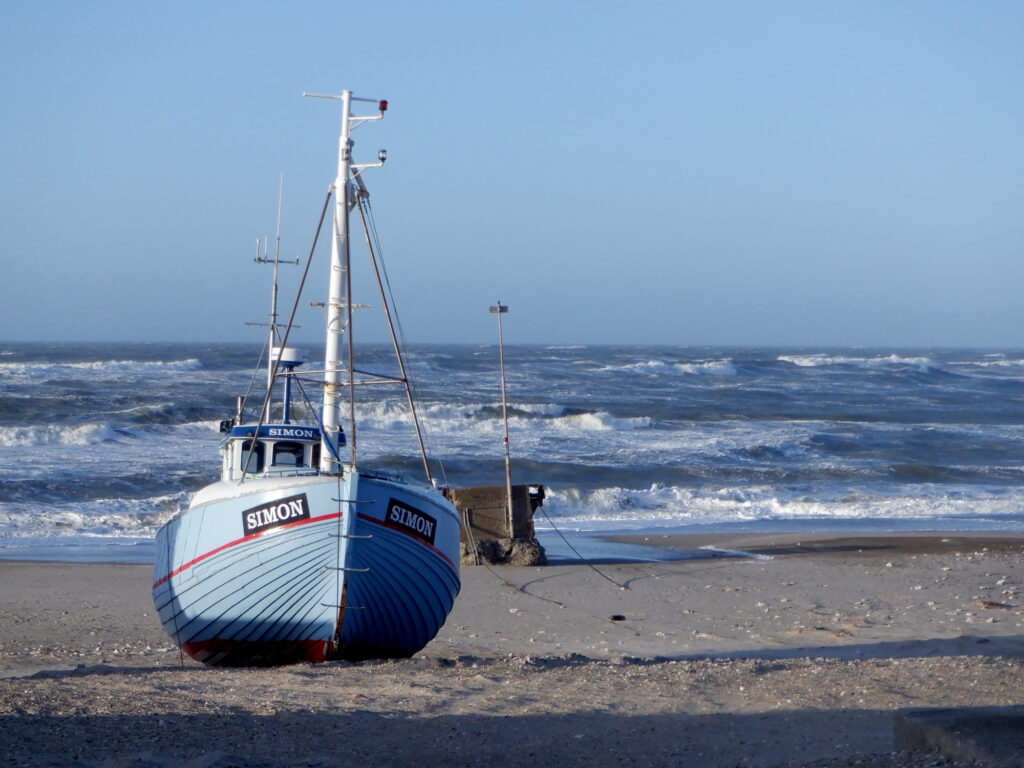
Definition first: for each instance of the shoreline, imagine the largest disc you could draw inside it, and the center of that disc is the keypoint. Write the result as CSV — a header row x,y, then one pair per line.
x,y
595,546
803,651
823,542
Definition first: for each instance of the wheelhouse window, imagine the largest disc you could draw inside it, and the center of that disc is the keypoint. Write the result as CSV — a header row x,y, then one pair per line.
x,y
252,457
288,454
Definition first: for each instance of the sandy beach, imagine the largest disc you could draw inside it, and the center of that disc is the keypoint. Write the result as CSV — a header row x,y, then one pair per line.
x,y
757,650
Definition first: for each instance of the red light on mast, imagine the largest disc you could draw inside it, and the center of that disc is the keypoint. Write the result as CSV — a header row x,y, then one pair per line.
x,y
384,105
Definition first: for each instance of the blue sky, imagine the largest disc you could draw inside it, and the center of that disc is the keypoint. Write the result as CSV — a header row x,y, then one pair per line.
x,y
681,173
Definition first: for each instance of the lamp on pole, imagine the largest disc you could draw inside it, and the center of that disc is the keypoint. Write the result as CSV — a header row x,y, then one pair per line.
x,y
500,309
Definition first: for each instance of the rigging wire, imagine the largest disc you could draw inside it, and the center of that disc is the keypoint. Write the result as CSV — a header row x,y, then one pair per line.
x,y
376,253
256,371
310,408
397,337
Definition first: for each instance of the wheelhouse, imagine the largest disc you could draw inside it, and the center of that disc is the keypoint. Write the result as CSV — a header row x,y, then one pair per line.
x,y
277,449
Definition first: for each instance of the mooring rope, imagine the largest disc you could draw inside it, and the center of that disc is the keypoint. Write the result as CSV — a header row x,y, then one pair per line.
x,y
576,552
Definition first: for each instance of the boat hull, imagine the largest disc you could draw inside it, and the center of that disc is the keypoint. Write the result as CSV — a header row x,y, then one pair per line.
x,y
308,569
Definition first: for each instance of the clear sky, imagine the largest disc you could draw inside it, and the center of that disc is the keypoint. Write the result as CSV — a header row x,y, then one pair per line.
x,y
819,173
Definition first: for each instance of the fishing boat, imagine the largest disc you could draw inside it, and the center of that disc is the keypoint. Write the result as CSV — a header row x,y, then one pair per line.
x,y
298,553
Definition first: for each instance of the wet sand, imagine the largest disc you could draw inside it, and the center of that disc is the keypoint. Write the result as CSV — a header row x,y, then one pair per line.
x,y
764,650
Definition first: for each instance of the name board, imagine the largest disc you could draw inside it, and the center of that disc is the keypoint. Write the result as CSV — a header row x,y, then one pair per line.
x,y
274,514
295,432
303,433
419,524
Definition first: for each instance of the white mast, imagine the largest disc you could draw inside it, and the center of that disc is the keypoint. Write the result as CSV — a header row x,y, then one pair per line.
x,y
339,304
337,314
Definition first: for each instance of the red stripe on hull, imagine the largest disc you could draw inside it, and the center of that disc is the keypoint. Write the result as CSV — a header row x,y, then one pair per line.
x,y
182,568
219,652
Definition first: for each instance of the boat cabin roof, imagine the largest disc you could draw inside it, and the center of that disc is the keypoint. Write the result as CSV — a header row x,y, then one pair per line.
x,y
274,432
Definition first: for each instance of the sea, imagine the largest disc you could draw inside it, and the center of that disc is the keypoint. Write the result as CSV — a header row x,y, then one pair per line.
x,y
100,444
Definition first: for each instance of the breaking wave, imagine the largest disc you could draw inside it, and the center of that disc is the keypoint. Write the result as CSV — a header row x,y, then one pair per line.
x,y
602,422
652,367
118,367
709,368
821,359
96,519
86,434
672,506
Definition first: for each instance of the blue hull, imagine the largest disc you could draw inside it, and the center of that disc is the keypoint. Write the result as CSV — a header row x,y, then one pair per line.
x,y
308,569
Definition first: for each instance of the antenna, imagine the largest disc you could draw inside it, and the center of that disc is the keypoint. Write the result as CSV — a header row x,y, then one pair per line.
x,y
273,335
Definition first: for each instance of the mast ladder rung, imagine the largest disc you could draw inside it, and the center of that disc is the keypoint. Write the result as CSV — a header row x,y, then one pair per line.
x,y
345,607
353,570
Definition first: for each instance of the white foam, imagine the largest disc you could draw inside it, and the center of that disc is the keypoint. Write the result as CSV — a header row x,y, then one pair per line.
x,y
126,519
86,434
118,367
464,420
670,506
643,366
821,359
1001,363
709,368
383,415
601,422
737,552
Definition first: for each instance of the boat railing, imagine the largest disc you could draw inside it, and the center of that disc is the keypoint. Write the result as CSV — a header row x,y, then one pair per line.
x,y
288,472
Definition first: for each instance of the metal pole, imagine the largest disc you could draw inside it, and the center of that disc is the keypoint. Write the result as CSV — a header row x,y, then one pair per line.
x,y
338,304
499,309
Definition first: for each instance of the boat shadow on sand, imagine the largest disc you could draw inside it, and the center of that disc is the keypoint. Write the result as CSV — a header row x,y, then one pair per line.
x,y
1005,646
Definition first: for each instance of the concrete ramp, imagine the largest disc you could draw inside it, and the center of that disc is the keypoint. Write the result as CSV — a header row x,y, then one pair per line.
x,y
991,735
